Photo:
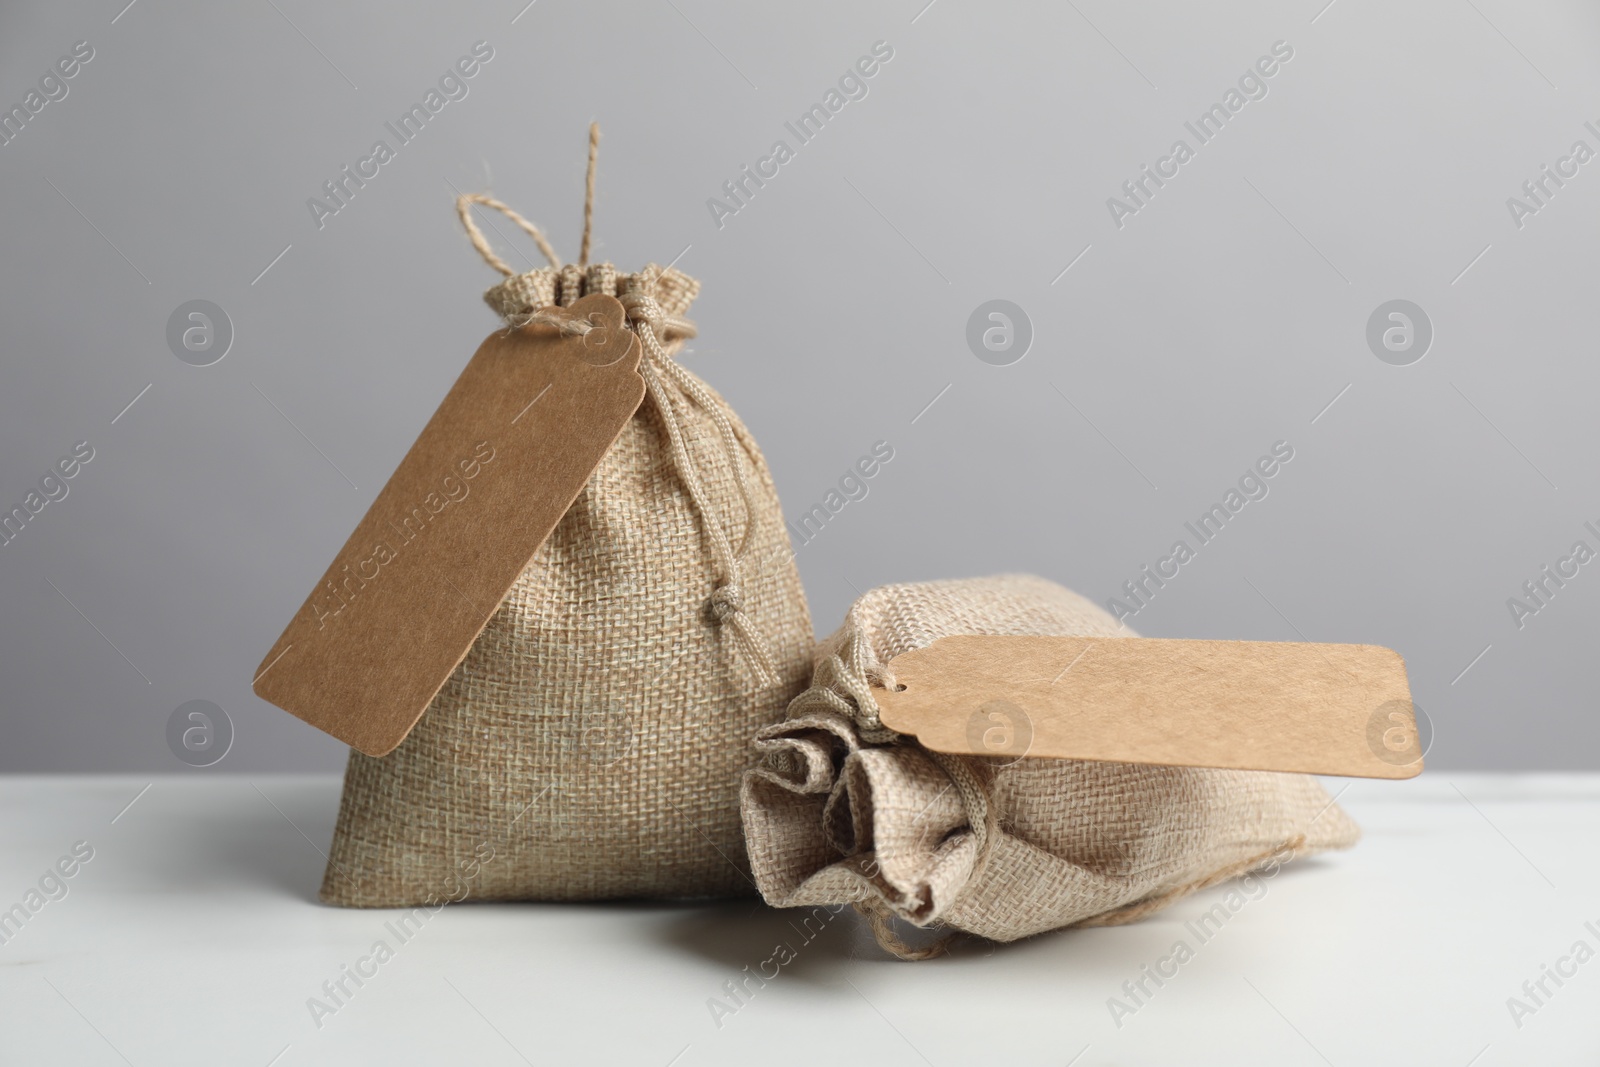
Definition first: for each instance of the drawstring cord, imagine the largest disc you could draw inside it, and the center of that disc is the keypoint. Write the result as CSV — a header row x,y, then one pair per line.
x,y
727,600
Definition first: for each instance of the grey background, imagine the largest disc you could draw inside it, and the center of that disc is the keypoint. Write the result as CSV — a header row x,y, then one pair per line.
x,y
1223,317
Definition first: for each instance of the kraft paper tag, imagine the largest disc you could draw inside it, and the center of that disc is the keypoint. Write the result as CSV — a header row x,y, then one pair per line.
x,y
1248,705
495,469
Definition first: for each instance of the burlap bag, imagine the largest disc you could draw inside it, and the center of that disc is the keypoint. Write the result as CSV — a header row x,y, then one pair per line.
x,y
844,811
591,743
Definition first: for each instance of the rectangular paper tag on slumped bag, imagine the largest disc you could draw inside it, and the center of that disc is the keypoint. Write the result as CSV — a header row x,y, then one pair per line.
x,y
1247,705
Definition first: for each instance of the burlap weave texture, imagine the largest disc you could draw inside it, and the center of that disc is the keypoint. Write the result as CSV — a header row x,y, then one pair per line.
x,y
591,743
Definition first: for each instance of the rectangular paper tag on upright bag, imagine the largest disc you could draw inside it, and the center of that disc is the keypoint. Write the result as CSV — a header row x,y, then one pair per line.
x,y
483,487
1248,705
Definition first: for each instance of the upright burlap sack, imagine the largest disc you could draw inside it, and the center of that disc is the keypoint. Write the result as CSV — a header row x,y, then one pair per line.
x,y
845,811
591,744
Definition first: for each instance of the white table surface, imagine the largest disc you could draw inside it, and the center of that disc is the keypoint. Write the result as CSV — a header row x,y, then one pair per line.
x,y
193,937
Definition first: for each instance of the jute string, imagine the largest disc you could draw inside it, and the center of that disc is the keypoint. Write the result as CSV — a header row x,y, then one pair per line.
x,y
652,324
588,194
464,204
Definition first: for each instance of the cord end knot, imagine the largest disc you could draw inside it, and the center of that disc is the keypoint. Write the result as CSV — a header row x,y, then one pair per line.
x,y
727,600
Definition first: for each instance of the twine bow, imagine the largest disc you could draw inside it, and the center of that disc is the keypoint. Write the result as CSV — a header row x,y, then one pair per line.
x,y
652,324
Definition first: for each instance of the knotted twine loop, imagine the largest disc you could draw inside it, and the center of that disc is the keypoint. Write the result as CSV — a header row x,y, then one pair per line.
x,y
652,324
464,204
880,917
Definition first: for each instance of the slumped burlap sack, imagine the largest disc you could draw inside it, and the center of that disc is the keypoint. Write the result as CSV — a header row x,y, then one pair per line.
x,y
591,743
844,811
